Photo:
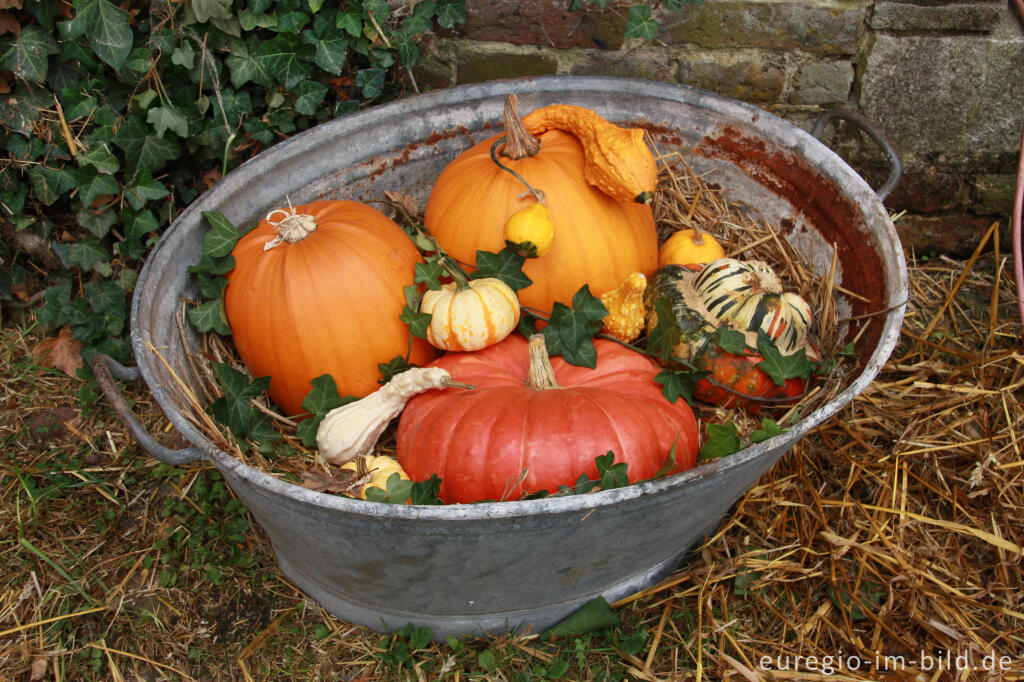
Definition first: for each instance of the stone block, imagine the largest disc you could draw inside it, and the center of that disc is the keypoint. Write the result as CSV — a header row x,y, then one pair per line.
x,y
993,193
649,66
902,16
811,27
473,66
748,76
823,83
955,234
545,22
945,94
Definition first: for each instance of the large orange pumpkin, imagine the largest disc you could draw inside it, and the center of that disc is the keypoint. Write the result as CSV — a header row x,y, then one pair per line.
x,y
536,424
325,301
598,240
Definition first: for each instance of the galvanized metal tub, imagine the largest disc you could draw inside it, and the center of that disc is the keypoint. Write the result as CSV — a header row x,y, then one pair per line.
x,y
472,569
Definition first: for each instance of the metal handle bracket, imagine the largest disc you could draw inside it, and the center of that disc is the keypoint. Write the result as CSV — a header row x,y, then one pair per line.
x,y
876,135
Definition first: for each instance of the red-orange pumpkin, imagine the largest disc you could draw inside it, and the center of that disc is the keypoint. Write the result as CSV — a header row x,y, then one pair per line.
x,y
327,303
516,434
598,241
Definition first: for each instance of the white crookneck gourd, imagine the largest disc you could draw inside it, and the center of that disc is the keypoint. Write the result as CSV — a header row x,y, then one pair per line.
x,y
353,429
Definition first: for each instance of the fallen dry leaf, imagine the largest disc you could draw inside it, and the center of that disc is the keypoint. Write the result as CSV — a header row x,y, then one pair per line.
x,y
211,178
37,670
5,82
55,424
10,4
315,479
62,352
403,200
8,24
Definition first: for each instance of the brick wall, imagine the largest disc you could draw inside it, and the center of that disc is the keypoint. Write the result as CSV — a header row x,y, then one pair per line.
x,y
943,79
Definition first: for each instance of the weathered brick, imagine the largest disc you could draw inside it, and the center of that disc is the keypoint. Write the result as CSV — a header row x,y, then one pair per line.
x,y
544,22
955,234
655,67
823,83
945,94
475,67
751,77
902,16
823,29
994,193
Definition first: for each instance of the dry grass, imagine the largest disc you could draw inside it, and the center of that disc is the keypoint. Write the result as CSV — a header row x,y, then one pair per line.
x,y
893,530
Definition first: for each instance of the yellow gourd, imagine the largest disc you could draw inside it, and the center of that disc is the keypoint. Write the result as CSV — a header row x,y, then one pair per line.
x,y
689,247
376,470
616,160
530,231
626,314
352,430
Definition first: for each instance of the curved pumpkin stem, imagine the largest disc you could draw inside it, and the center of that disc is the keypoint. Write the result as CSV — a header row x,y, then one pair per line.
x,y
519,143
541,375
294,227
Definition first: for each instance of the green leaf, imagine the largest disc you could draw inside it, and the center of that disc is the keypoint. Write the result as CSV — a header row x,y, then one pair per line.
x,y
166,118
731,341
429,272
450,13
308,96
92,184
21,109
208,265
330,52
722,440
417,322
371,81
570,331
324,397
99,157
289,21
220,239
315,5
351,21
506,265
781,367
209,9
679,384
49,184
640,23
596,614
392,368
97,223
769,428
398,491
245,67
28,54
210,316
144,98
88,254
107,29
143,151
144,189
666,334
611,475
184,55
281,57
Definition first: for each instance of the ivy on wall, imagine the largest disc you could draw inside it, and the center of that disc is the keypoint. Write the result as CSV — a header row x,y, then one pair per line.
x,y
115,116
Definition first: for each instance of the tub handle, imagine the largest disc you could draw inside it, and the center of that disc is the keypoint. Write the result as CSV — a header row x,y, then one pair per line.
x,y
103,366
872,131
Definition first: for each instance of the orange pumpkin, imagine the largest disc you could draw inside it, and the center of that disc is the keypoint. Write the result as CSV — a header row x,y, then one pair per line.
x,y
325,298
599,240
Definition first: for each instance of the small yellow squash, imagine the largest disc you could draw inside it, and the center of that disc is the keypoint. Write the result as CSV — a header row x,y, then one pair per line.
x,y
689,247
530,231
375,470
470,314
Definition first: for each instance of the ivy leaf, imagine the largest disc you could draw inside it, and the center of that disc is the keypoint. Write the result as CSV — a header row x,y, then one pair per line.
x,y
321,399
221,238
731,341
426,492
640,23
596,614
88,254
570,331
166,118
49,184
722,440
612,475
20,110
211,287
418,322
392,368
351,21
769,428
93,184
429,272
666,334
506,265
208,9
308,96
97,223
143,151
245,67
210,317
28,54
371,81
451,12
144,189
679,384
281,57
107,29
330,51
781,367
398,491
100,158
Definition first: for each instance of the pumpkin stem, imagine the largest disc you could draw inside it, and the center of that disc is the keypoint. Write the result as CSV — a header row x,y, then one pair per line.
x,y
537,194
541,375
453,270
519,143
294,227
